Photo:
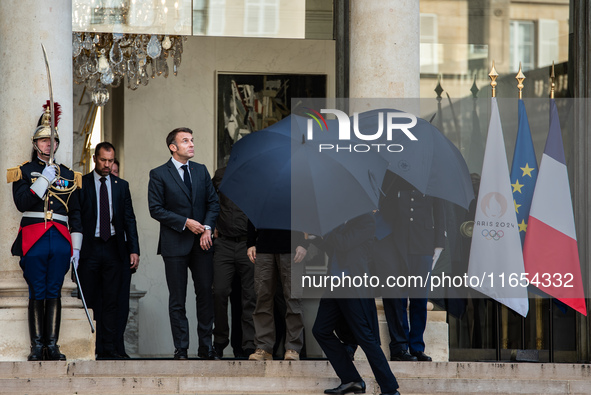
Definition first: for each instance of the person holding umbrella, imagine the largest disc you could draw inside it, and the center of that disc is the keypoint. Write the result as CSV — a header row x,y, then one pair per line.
x,y
270,250
349,250
299,188
412,248
233,272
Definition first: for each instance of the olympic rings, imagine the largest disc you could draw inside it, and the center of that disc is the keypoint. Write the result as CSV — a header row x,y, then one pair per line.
x,y
492,234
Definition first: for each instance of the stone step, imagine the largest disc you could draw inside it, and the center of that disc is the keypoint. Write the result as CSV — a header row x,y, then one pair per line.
x,y
280,377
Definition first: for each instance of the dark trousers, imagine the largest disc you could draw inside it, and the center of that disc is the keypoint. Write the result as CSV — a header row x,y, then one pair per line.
x,y
361,316
100,276
230,261
122,314
405,335
200,263
236,318
123,309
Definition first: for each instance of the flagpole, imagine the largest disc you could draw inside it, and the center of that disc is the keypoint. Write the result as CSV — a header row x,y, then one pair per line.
x,y
551,309
493,83
520,77
551,331
498,330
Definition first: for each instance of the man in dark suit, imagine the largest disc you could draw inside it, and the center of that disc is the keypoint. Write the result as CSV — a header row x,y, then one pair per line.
x,y
412,249
110,246
182,198
349,249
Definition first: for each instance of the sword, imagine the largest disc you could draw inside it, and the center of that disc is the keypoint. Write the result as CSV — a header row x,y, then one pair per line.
x,y
52,109
82,297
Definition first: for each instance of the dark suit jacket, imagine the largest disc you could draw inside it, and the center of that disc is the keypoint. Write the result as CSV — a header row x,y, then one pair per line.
x,y
417,221
123,217
349,245
171,205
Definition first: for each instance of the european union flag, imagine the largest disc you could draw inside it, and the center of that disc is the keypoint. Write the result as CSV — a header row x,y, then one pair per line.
x,y
524,171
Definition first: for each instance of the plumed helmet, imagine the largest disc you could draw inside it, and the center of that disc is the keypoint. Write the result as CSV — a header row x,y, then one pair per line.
x,y
43,129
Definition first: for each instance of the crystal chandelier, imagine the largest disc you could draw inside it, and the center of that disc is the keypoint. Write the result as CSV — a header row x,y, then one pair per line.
x,y
103,59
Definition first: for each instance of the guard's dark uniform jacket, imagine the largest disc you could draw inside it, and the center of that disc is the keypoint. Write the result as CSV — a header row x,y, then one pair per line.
x,y
63,200
418,221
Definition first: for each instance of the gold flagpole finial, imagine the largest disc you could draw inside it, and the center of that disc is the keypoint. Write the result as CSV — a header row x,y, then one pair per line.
x,y
552,82
520,77
493,76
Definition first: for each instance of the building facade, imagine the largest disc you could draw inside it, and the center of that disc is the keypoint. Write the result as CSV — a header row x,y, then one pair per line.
x,y
362,49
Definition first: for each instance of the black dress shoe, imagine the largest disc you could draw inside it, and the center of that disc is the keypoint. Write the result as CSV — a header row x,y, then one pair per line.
x,y
180,353
356,387
219,350
392,393
403,356
209,355
421,356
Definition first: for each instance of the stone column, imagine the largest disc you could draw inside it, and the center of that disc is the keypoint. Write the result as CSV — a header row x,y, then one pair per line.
x,y
384,49
24,26
385,64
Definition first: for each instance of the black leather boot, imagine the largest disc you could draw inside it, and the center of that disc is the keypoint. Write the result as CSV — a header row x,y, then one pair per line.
x,y
53,315
36,310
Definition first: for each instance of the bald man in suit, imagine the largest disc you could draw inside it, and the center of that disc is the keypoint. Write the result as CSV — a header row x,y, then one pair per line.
x,y
108,253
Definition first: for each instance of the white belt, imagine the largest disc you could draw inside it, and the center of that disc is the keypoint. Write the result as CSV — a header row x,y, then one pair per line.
x,y
50,216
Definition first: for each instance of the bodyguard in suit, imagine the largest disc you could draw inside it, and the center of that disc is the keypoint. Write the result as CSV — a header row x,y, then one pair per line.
x,y
417,239
349,249
182,198
110,248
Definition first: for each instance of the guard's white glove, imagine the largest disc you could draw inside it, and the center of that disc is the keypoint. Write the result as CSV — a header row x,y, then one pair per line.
x,y
75,258
49,174
436,255
44,180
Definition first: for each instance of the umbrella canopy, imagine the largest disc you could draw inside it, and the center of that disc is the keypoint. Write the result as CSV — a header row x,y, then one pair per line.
x,y
432,163
282,181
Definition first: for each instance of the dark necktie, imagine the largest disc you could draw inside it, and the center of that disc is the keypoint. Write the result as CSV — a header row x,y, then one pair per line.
x,y
187,178
104,212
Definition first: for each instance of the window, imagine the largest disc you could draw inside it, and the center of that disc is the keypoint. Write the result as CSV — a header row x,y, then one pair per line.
x,y
547,42
261,17
199,17
428,46
521,45
215,22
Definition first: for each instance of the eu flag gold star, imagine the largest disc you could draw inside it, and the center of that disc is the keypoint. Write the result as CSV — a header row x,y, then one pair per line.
x,y
523,226
516,206
527,170
517,186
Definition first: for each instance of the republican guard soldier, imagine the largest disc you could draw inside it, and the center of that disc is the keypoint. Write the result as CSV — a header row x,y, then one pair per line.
x,y
50,233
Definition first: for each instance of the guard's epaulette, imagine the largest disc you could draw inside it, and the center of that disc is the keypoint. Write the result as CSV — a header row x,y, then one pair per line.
x,y
78,179
14,173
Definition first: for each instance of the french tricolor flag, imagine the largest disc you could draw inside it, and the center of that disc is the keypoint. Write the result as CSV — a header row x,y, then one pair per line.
x,y
550,251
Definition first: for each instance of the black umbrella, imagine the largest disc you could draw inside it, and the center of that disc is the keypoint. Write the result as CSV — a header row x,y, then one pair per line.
x,y
431,163
283,181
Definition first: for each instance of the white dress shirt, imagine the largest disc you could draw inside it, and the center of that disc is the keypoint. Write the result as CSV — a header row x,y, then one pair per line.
x,y
178,165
